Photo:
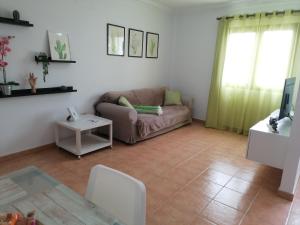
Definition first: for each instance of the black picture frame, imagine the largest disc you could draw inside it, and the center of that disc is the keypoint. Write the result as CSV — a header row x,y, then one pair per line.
x,y
129,43
148,52
108,44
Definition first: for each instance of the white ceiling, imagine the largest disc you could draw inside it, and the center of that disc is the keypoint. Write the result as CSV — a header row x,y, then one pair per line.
x,y
178,3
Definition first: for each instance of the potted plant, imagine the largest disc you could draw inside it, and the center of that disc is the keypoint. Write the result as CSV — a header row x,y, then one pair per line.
x,y
6,87
43,57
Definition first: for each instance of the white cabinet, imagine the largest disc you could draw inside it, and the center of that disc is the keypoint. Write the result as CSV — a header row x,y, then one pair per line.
x,y
267,147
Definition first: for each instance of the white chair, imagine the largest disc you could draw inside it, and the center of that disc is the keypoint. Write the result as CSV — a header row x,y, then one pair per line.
x,y
117,193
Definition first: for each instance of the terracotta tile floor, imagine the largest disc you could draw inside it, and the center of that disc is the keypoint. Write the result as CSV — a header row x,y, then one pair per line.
x,y
194,176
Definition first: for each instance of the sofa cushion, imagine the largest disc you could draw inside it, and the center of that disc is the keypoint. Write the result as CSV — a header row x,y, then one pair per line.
x,y
172,98
124,102
145,96
172,115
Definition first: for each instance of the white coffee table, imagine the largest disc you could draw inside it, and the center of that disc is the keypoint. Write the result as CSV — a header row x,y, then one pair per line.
x,y
84,141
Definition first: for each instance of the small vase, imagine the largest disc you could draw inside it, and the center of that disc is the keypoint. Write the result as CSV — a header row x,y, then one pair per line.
x,y
4,74
6,89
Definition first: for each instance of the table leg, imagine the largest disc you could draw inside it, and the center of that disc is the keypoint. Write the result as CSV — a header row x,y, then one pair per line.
x,y
78,143
111,135
56,133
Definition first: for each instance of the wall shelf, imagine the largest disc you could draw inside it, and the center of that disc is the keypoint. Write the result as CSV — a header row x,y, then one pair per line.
x,y
39,91
54,61
11,21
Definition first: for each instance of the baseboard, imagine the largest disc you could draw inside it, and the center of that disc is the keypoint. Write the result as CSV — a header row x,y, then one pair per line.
x,y
198,120
26,152
286,195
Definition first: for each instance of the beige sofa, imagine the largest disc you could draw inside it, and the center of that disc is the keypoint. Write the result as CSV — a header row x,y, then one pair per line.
x,y
129,126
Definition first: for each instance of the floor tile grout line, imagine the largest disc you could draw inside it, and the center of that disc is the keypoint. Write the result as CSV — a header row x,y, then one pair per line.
x,y
183,187
192,180
251,204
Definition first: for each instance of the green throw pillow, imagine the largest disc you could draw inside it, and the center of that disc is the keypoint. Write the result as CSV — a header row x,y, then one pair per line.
x,y
146,109
172,98
124,102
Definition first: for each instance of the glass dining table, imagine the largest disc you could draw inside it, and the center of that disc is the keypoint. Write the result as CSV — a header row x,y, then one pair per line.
x,y
31,189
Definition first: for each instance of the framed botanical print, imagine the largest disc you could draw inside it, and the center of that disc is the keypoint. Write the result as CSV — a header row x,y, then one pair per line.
x,y
135,43
59,46
152,43
115,40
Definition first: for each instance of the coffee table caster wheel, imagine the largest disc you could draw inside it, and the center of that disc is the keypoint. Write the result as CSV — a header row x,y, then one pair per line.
x,y
79,157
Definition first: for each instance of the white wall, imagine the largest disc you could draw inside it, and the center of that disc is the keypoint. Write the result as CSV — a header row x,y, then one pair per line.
x,y
194,44
27,122
186,53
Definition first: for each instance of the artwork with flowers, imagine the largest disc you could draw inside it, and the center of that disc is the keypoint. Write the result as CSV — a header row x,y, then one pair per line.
x,y
59,46
115,40
135,43
152,43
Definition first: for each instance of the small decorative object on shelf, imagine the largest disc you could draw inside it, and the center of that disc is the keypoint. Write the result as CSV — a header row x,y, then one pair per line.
x,y
43,58
63,88
16,15
59,46
32,82
6,87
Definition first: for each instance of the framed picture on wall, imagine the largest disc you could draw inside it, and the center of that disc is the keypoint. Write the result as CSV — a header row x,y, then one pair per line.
x,y
59,46
115,40
152,43
135,43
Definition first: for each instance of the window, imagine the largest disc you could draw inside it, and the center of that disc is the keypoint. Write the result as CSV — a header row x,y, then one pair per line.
x,y
273,58
258,59
239,58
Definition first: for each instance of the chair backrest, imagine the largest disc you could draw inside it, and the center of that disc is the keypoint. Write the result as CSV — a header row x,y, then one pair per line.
x,y
117,193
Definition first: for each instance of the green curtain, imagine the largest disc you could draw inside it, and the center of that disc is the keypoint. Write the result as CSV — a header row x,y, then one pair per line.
x,y
237,107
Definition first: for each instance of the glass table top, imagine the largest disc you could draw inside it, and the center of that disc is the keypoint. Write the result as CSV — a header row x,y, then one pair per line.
x,y
54,204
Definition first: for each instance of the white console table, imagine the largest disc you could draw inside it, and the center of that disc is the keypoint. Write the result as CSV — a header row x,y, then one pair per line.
x,y
267,147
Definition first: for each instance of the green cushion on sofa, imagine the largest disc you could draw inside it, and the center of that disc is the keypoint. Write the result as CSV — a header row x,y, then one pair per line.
x,y
146,109
172,98
124,102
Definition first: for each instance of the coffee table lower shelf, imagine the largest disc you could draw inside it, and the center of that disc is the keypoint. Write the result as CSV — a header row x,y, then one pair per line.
x,y
89,143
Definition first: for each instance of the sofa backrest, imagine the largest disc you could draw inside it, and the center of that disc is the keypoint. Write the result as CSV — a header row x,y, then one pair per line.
x,y
145,96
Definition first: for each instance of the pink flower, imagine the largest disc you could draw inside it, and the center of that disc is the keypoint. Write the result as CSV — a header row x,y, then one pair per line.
x,y
3,53
5,40
3,63
7,49
4,49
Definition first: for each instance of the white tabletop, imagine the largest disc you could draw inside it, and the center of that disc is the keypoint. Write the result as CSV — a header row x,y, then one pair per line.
x,y
284,127
85,122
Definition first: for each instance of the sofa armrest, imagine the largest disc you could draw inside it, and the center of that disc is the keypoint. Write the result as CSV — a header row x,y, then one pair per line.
x,y
124,120
117,112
